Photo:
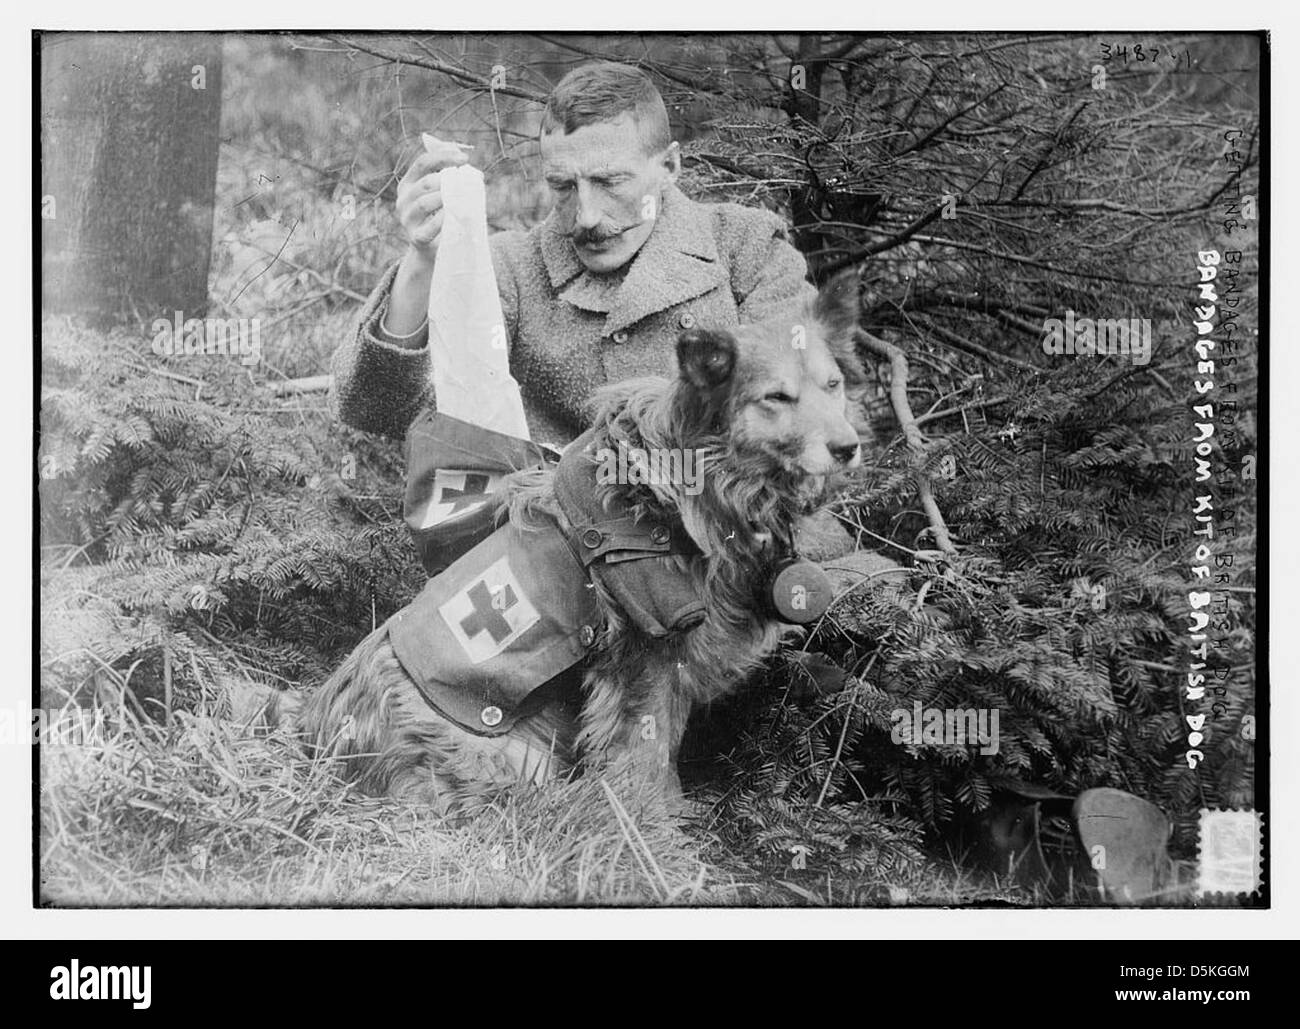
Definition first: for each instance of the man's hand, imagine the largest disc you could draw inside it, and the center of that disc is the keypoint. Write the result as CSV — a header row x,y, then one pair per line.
x,y
419,209
419,200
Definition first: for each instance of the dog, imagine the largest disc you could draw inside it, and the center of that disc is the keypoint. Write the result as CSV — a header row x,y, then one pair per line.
x,y
765,410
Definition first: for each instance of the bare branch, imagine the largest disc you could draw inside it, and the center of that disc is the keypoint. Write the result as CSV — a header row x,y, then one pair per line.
x,y
432,64
911,432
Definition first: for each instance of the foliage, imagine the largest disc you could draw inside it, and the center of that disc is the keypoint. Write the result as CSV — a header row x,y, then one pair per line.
x,y
198,529
183,528
1066,612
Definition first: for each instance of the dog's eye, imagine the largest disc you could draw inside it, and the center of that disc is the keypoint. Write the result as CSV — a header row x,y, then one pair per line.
x,y
779,397
834,384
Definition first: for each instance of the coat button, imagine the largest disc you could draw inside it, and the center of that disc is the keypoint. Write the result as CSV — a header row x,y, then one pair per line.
x,y
592,538
687,320
660,535
491,715
620,336
587,635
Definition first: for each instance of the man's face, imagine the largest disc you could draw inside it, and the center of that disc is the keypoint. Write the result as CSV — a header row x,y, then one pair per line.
x,y
607,189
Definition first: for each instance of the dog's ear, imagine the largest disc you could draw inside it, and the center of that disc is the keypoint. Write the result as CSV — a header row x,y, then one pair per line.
x,y
706,362
706,358
836,306
836,310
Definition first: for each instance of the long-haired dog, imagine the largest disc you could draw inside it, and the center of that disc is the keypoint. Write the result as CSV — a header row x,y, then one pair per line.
x,y
764,409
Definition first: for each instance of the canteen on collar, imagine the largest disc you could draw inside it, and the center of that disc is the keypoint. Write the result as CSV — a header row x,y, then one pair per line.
x,y
799,591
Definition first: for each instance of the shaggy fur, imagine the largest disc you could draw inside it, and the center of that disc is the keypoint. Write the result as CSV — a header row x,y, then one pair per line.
x,y
765,409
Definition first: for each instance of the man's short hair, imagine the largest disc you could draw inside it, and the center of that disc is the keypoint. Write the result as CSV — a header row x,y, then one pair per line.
x,y
603,91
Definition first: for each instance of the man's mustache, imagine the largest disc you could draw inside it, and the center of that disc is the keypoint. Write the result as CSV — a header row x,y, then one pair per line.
x,y
586,237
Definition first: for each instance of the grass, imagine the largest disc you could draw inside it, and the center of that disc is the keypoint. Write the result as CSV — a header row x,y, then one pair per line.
x,y
210,811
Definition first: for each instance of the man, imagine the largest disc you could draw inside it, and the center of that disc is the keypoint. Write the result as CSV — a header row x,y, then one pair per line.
x,y
595,294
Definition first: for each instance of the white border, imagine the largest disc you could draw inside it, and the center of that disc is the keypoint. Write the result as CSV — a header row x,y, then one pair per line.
x,y
19,920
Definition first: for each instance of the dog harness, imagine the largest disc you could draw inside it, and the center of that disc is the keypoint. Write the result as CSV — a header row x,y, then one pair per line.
x,y
518,608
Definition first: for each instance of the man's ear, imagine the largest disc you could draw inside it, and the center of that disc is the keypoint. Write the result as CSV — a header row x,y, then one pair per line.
x,y
672,162
836,311
706,358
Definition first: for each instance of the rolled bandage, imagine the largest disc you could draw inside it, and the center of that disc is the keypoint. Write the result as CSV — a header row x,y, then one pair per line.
x,y
468,345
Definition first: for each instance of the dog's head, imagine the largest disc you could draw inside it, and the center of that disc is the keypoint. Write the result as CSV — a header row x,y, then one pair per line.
x,y
773,394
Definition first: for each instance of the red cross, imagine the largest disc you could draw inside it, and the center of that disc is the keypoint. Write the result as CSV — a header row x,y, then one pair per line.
x,y
487,616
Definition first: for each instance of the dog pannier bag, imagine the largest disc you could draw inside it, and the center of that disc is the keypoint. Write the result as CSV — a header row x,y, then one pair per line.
x,y
452,470
456,455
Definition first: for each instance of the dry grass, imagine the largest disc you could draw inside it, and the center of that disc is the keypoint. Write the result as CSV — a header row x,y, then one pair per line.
x,y
211,812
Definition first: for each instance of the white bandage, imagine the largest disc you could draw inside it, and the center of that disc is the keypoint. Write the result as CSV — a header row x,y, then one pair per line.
x,y
468,346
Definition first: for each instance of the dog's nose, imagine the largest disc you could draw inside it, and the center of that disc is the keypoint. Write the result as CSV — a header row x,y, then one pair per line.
x,y
845,453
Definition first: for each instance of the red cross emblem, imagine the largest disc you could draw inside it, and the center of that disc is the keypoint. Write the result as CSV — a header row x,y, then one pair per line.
x,y
456,493
490,613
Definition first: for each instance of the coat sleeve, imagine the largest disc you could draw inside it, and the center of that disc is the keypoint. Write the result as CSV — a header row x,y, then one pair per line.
x,y
379,386
768,273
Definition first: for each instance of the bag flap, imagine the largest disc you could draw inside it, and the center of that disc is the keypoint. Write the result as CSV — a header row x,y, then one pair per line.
x,y
508,616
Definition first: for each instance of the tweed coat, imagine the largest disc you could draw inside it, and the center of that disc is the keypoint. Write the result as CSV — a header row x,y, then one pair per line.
x,y
571,331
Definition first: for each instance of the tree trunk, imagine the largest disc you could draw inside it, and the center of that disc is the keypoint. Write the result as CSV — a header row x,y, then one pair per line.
x,y
130,129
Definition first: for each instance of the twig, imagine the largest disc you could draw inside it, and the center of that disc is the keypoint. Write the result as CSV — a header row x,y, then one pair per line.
x,y
957,244
1049,149
310,384
922,141
962,343
269,264
307,270
897,239
450,70
167,684
196,383
972,405
911,433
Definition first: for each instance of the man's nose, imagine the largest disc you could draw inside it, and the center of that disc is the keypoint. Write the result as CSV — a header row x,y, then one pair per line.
x,y
588,211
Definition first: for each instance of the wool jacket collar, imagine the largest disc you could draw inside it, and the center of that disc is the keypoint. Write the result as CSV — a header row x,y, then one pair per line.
x,y
677,262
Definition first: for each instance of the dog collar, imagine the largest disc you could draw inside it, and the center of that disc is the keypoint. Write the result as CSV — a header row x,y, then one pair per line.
x,y
660,597
609,542
798,590
610,534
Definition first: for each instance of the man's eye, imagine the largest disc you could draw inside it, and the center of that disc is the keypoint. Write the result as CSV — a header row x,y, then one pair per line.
x,y
779,397
561,187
